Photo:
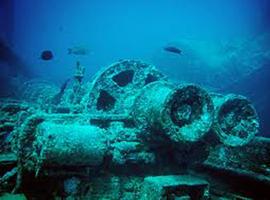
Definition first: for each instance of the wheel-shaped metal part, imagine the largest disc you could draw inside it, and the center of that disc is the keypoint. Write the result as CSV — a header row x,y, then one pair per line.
x,y
114,89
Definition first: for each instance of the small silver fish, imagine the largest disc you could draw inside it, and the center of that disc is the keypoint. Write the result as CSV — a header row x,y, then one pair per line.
x,y
78,50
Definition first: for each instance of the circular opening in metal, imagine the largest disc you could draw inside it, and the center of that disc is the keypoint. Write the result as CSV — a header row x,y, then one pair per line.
x,y
237,118
187,106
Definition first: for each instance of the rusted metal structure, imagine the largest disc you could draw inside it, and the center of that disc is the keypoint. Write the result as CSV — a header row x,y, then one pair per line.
x,y
128,127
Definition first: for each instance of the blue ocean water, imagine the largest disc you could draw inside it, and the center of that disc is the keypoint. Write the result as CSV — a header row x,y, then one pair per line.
x,y
224,44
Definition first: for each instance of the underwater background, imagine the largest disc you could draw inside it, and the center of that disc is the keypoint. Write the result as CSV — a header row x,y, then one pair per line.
x,y
224,44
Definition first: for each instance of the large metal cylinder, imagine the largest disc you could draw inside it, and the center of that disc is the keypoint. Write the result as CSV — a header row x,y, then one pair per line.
x,y
182,113
77,145
46,143
236,121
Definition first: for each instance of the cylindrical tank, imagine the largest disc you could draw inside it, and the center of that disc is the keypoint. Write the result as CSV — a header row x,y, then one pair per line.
x,y
70,144
183,113
46,143
236,121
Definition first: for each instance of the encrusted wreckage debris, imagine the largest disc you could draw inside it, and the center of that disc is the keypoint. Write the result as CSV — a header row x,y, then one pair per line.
x,y
129,122
174,187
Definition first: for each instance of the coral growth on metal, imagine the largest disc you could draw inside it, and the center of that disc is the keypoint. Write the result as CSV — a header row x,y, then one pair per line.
x,y
128,115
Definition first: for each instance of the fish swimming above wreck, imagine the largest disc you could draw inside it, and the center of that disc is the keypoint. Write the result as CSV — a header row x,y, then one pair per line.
x,y
79,50
46,55
173,49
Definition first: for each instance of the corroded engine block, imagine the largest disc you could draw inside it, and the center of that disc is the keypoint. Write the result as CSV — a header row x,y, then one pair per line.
x,y
130,119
